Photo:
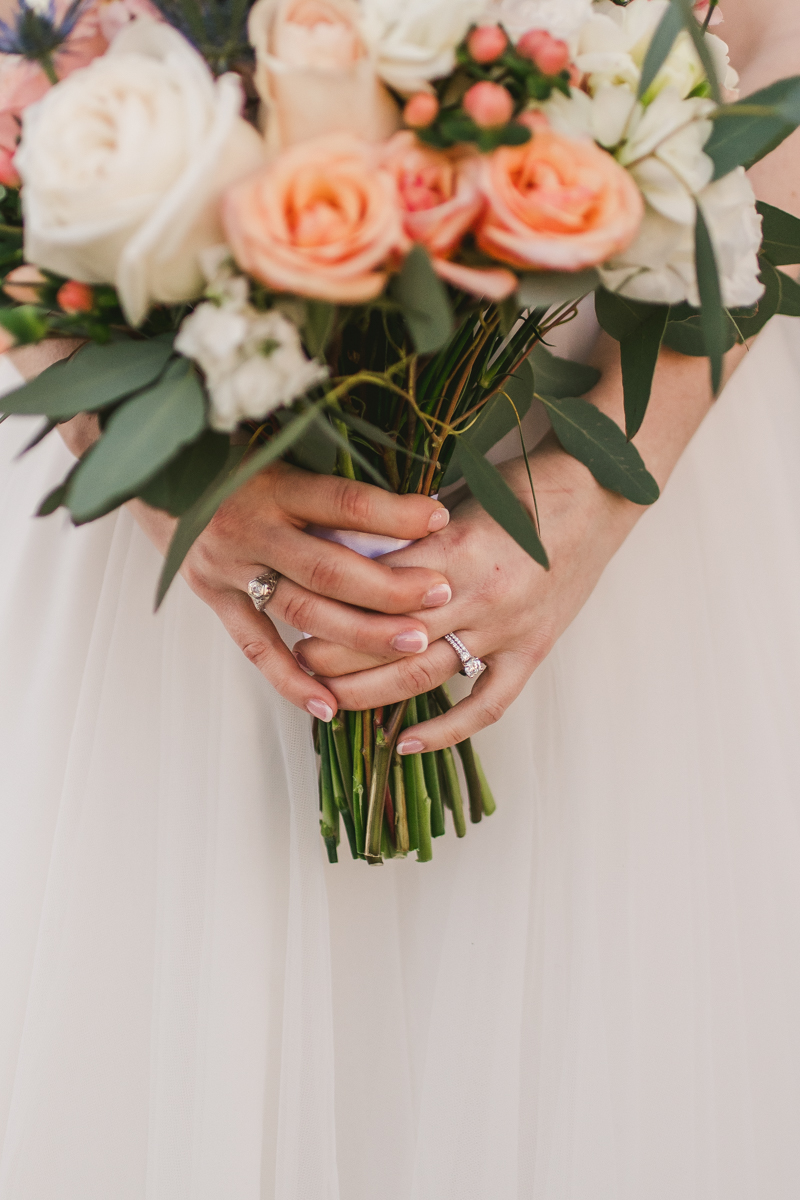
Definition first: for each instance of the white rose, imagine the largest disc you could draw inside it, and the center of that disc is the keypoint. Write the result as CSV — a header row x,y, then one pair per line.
x,y
561,18
414,41
663,150
659,267
124,163
253,361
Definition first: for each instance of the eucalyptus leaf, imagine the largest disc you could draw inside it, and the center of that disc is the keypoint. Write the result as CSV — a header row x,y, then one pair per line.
x,y
313,452
618,315
687,336
559,377
713,317
92,379
236,472
424,301
746,131
697,34
639,354
662,42
491,490
179,484
790,296
599,443
781,235
58,496
139,439
41,433
545,289
319,325
749,325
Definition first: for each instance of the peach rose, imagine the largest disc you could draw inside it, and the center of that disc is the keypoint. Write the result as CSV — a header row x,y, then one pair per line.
x,y
313,73
440,195
321,220
558,204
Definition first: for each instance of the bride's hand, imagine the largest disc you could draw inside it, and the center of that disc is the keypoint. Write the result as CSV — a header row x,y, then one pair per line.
x,y
507,609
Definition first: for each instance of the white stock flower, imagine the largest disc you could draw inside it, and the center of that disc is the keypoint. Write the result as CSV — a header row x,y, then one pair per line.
x,y
663,150
659,267
253,361
124,163
561,18
414,41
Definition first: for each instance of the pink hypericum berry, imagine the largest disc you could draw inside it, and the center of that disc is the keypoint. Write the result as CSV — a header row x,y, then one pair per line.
x,y
75,297
420,110
549,54
488,104
486,43
8,172
23,284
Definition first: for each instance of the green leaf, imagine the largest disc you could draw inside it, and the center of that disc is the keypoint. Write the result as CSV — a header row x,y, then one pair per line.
x,y
748,325
372,433
140,438
559,377
746,131
496,419
184,479
491,490
698,36
663,40
713,317
329,430
93,378
781,235
618,315
25,323
234,474
423,298
790,296
687,336
58,496
319,325
599,443
41,433
639,353
544,289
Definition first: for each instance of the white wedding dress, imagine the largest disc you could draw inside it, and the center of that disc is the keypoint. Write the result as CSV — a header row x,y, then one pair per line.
x,y
594,996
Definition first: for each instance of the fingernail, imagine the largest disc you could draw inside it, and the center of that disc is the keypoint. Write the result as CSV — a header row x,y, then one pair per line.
x,y
301,662
438,519
410,746
410,642
318,708
437,596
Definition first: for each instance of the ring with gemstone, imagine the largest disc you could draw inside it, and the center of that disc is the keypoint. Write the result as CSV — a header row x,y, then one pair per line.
x,y
262,588
470,665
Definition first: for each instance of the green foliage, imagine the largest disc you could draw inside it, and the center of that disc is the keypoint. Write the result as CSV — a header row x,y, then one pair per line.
x,y
619,316
559,377
181,483
781,235
713,318
746,131
639,353
25,323
490,488
319,325
423,299
548,288
697,34
496,419
664,37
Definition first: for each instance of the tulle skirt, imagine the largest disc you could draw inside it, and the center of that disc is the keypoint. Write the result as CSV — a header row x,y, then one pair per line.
x,y
594,996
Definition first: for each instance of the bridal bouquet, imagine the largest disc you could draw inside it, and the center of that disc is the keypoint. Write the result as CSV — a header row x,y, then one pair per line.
x,y
340,232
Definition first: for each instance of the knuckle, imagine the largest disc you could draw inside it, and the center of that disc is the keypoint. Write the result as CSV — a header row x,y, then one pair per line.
x,y
258,653
537,648
326,576
417,675
491,709
354,503
299,610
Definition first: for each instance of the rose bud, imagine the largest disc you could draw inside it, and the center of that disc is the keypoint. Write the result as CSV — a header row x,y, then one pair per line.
x,y
549,54
488,104
75,297
23,284
486,43
8,172
420,110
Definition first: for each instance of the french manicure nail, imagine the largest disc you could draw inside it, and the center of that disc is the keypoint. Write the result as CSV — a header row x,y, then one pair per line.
x,y
301,662
410,642
438,519
318,708
410,746
437,596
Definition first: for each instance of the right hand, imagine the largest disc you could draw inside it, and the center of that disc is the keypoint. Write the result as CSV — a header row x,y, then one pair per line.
x,y
325,589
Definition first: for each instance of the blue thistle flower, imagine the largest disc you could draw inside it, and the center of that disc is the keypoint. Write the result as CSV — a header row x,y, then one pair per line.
x,y
36,34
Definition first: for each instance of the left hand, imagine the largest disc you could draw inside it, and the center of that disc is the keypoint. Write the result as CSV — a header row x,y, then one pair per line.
x,y
507,609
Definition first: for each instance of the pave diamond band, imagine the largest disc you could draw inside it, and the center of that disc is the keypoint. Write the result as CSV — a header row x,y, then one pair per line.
x,y
262,588
470,665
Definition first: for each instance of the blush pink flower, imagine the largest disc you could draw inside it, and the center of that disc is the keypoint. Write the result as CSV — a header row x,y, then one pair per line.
x,y
440,195
321,220
557,204
488,104
486,43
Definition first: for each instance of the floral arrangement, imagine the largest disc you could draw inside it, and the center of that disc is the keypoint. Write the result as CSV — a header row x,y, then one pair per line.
x,y
340,232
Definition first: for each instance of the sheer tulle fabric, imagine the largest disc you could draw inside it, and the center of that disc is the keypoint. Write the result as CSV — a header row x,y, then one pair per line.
x,y
593,997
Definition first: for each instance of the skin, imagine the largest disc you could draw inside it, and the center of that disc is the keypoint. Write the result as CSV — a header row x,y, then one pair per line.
x,y
507,609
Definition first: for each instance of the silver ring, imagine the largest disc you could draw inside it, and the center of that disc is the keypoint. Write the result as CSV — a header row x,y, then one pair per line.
x,y
470,665
262,588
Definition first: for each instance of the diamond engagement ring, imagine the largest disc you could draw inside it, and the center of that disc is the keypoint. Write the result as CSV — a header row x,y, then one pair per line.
x,y
262,588
470,665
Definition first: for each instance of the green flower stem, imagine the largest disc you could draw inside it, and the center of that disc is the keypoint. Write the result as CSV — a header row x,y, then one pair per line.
x,y
385,740
329,819
431,775
425,852
338,730
452,790
358,779
339,796
400,807
468,762
47,65
489,805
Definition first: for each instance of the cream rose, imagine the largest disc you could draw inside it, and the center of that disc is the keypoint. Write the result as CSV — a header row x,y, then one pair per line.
x,y
124,163
322,220
313,72
557,203
414,41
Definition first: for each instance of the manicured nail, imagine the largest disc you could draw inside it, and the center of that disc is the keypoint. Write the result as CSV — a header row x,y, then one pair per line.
x,y
301,662
438,519
410,746
318,708
410,642
437,596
